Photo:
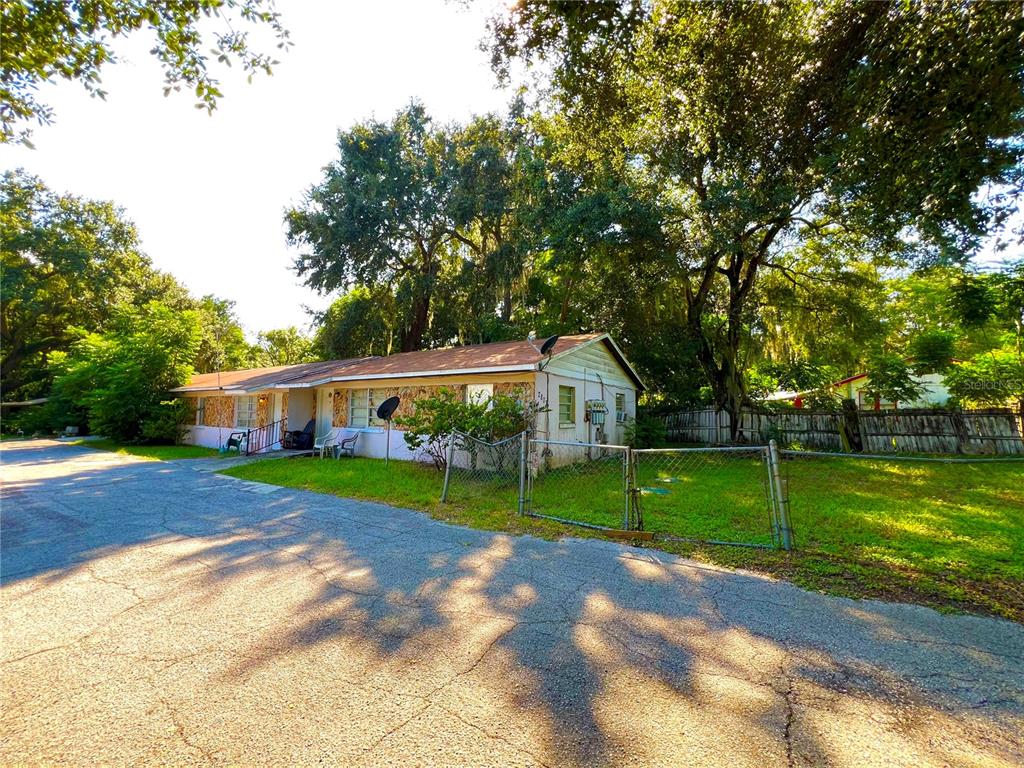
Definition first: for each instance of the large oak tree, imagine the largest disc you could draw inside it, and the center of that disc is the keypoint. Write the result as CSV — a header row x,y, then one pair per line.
x,y
755,127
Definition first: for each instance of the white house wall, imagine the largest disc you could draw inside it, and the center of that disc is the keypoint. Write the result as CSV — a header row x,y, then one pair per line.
x,y
580,369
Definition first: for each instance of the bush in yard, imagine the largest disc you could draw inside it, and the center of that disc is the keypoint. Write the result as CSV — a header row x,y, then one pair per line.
x,y
435,418
645,431
118,381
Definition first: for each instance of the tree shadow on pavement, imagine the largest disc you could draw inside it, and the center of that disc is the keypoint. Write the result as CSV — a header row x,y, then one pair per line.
x,y
395,637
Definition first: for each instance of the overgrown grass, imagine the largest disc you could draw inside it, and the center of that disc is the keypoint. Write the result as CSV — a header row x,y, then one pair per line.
x,y
946,535
158,452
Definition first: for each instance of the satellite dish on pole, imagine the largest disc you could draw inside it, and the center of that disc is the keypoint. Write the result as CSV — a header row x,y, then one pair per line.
x,y
385,411
545,349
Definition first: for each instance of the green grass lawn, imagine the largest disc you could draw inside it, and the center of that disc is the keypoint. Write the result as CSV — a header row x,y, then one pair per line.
x,y
946,535
158,452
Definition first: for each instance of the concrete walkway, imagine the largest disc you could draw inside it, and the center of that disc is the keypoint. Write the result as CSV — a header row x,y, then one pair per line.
x,y
155,614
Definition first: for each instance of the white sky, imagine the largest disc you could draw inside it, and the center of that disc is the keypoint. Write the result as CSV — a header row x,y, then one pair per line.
x,y
208,192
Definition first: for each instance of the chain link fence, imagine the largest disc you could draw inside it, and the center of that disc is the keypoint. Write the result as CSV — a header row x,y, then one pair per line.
x,y
891,497
733,495
714,495
479,470
584,484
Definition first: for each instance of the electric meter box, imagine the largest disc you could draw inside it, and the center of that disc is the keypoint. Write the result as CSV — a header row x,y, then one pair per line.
x,y
596,410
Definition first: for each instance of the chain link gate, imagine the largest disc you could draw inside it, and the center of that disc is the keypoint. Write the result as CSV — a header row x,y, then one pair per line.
x,y
584,484
680,494
698,494
480,471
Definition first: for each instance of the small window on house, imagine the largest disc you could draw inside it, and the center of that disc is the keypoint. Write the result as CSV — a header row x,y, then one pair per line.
x,y
246,416
358,414
201,411
566,406
362,408
373,399
620,407
479,393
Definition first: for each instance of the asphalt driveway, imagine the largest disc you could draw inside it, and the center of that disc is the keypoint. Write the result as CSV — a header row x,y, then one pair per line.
x,y
153,613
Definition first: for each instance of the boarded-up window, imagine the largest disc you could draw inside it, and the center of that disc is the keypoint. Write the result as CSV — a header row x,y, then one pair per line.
x,y
566,406
201,410
219,411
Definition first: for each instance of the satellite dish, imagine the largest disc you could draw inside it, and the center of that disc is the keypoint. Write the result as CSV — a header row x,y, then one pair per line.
x,y
387,409
548,345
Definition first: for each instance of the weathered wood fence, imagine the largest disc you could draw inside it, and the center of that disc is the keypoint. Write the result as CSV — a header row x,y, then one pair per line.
x,y
917,430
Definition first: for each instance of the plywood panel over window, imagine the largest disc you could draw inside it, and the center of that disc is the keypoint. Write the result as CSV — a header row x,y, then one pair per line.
x,y
521,390
263,403
339,417
219,411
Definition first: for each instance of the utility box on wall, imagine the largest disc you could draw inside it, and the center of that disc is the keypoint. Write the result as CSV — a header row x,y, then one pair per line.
x,y
596,410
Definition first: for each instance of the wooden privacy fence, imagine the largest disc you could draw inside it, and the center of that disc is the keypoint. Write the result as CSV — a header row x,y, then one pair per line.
x,y
910,430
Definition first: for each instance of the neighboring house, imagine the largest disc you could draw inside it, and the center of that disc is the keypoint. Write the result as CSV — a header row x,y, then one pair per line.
x,y
583,375
853,387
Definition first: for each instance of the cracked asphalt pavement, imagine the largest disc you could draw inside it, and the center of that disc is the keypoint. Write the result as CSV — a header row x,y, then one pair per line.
x,y
156,613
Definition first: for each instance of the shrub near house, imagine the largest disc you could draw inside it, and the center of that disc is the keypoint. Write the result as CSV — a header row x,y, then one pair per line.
x,y
430,426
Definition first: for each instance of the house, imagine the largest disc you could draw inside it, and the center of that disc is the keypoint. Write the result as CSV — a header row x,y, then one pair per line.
x,y
585,380
853,388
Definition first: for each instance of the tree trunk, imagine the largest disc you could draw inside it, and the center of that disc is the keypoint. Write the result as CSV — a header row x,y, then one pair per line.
x,y
506,303
412,335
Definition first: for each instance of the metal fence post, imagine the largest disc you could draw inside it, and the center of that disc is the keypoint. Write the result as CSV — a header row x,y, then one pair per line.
x,y
633,493
523,448
781,497
449,453
627,485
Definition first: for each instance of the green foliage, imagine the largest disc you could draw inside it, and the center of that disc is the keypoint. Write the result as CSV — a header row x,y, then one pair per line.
x,y
283,346
67,262
382,215
932,349
990,379
362,322
43,41
119,379
222,345
435,418
645,431
891,380
973,300
754,130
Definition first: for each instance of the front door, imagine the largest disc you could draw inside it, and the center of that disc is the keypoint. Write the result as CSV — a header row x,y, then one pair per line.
x,y
324,411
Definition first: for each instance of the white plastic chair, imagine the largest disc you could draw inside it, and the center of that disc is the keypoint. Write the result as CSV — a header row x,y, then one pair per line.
x,y
325,442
